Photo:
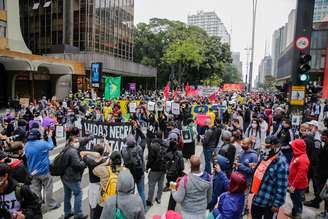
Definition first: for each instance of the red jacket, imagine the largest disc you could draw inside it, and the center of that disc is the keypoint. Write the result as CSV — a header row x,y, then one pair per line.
x,y
299,165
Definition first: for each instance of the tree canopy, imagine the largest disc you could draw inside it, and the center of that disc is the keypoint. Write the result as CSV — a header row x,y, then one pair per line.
x,y
183,53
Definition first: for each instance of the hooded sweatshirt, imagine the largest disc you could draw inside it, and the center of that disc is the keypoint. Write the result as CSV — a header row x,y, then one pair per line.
x,y
197,194
130,204
299,165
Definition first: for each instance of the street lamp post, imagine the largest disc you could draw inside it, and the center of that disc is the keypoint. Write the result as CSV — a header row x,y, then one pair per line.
x,y
250,78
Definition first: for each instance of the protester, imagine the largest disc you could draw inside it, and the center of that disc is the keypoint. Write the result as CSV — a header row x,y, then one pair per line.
x,y
94,181
157,165
228,150
220,180
129,204
230,204
71,179
297,179
286,136
194,192
174,166
209,145
108,175
321,175
134,161
24,204
37,155
270,181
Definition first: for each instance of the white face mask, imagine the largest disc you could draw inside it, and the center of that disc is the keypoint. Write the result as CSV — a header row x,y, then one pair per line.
x,y
254,126
76,144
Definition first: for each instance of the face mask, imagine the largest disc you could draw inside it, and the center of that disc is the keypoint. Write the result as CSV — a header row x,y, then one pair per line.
x,y
254,126
76,144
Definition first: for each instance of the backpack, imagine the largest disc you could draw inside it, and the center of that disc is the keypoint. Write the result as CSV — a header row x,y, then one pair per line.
x,y
57,167
173,165
135,162
161,157
110,186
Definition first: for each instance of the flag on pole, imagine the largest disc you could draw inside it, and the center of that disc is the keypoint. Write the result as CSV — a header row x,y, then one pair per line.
x,y
166,91
112,87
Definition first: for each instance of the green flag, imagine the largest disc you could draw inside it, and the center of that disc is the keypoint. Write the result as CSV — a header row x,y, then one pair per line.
x,y
112,87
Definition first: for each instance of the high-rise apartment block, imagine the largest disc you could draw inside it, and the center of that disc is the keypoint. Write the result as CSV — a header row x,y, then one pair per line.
x,y
211,23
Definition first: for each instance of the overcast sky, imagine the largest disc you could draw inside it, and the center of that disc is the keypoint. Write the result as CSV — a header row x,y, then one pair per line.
x,y
235,14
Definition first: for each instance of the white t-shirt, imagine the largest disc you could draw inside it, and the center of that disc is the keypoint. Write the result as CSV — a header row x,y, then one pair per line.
x,y
10,203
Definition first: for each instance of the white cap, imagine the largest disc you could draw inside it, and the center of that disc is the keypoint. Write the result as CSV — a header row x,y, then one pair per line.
x,y
313,123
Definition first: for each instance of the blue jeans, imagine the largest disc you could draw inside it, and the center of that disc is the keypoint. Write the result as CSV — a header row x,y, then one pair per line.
x,y
296,198
208,156
75,188
141,189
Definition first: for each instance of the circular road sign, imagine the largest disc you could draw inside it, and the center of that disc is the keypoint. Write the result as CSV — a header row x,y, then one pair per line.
x,y
302,43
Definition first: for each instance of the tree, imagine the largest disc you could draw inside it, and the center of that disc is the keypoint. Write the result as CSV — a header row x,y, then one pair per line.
x,y
177,49
231,74
268,84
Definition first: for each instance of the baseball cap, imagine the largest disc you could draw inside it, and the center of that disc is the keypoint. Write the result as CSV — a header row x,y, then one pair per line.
x,y
271,139
313,123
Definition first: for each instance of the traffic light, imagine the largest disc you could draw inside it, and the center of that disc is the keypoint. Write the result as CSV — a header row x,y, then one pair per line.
x,y
304,67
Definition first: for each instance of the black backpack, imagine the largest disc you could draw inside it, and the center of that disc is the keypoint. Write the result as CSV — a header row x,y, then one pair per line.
x,y
134,162
161,157
57,167
173,165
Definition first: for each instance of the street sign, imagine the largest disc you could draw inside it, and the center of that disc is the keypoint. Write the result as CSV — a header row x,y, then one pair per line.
x,y
298,96
302,43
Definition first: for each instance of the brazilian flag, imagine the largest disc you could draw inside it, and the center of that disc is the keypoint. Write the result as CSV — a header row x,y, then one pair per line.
x,y
112,87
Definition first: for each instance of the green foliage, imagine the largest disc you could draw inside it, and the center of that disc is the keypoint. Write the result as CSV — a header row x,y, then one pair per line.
x,y
269,83
231,74
180,52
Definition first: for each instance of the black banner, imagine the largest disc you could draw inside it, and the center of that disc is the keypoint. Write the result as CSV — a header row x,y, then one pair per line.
x,y
114,133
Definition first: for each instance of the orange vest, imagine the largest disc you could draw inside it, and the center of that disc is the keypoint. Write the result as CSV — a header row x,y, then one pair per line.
x,y
259,174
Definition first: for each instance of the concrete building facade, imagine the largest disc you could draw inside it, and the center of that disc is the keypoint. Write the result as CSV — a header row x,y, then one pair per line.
x,y
236,62
211,23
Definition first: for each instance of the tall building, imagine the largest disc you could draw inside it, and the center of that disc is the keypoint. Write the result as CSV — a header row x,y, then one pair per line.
x,y
278,46
26,75
291,24
265,68
320,10
89,31
211,23
236,62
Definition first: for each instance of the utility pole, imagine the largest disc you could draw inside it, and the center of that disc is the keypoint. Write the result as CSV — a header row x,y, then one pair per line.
x,y
247,63
250,78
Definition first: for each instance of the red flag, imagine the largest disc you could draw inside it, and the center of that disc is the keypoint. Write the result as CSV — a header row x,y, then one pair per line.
x,y
212,98
166,91
187,89
175,93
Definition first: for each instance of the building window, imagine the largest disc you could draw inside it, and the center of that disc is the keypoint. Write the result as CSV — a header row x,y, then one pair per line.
x,y
3,29
2,5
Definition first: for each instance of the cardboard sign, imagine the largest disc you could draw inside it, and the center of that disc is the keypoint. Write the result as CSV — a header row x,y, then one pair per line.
x,y
60,131
151,106
186,135
176,108
132,107
114,133
168,105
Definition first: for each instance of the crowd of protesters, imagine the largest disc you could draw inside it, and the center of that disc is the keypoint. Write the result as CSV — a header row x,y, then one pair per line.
x,y
254,155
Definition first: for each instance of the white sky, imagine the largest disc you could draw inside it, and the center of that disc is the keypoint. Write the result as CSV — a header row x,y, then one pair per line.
x,y
235,14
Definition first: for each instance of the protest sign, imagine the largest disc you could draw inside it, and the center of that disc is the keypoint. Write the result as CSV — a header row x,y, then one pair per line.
x,y
151,106
132,107
114,133
176,108
168,105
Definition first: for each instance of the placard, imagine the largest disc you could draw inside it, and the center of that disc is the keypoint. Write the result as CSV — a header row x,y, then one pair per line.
x,y
168,105
186,135
132,107
60,131
151,106
114,133
176,108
